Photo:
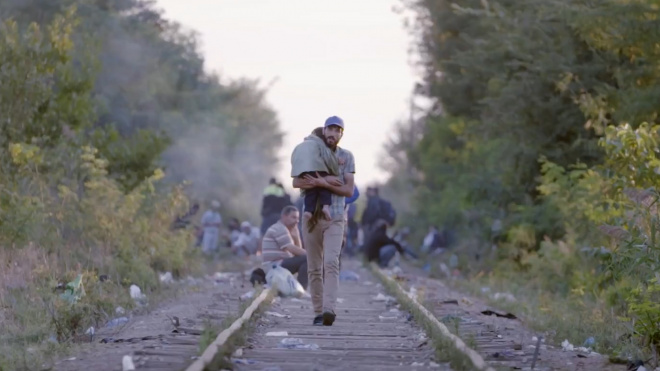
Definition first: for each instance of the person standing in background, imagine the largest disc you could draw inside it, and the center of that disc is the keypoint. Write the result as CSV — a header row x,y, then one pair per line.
x,y
351,230
274,200
211,222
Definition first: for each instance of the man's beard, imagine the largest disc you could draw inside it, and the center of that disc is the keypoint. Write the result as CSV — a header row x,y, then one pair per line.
x,y
331,146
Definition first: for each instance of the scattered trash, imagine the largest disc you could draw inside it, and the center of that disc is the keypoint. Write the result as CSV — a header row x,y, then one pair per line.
x,y
90,331
120,311
277,333
382,318
117,322
349,276
340,300
244,361
381,297
504,296
631,365
445,270
71,359
489,312
453,261
434,365
451,318
413,293
286,284
278,315
127,364
137,294
186,330
248,295
567,346
295,343
166,277
52,339
225,276
73,290
589,342
238,353
394,310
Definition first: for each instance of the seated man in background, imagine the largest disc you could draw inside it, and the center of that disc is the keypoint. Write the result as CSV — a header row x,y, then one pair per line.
x,y
282,246
247,242
380,247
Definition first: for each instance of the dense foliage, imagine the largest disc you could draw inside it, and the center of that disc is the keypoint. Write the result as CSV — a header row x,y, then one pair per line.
x,y
543,139
105,111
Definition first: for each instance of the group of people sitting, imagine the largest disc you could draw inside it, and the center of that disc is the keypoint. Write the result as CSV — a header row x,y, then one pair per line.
x,y
282,244
241,237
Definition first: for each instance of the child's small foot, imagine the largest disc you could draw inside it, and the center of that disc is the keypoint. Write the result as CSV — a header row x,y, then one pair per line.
x,y
307,214
326,212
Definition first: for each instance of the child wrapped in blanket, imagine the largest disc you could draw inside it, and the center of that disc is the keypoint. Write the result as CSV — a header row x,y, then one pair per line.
x,y
312,157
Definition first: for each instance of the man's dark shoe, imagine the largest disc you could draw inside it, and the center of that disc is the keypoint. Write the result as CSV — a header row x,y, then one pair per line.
x,y
318,320
328,318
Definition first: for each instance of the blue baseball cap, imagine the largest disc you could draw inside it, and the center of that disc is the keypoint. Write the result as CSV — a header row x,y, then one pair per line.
x,y
334,120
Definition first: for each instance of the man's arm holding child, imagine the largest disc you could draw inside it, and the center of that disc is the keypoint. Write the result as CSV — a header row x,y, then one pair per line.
x,y
300,182
345,189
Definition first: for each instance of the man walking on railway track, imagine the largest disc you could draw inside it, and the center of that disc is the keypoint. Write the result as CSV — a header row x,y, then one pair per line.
x,y
324,239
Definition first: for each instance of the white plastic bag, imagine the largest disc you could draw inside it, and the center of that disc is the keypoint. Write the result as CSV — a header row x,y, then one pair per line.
x,y
286,284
